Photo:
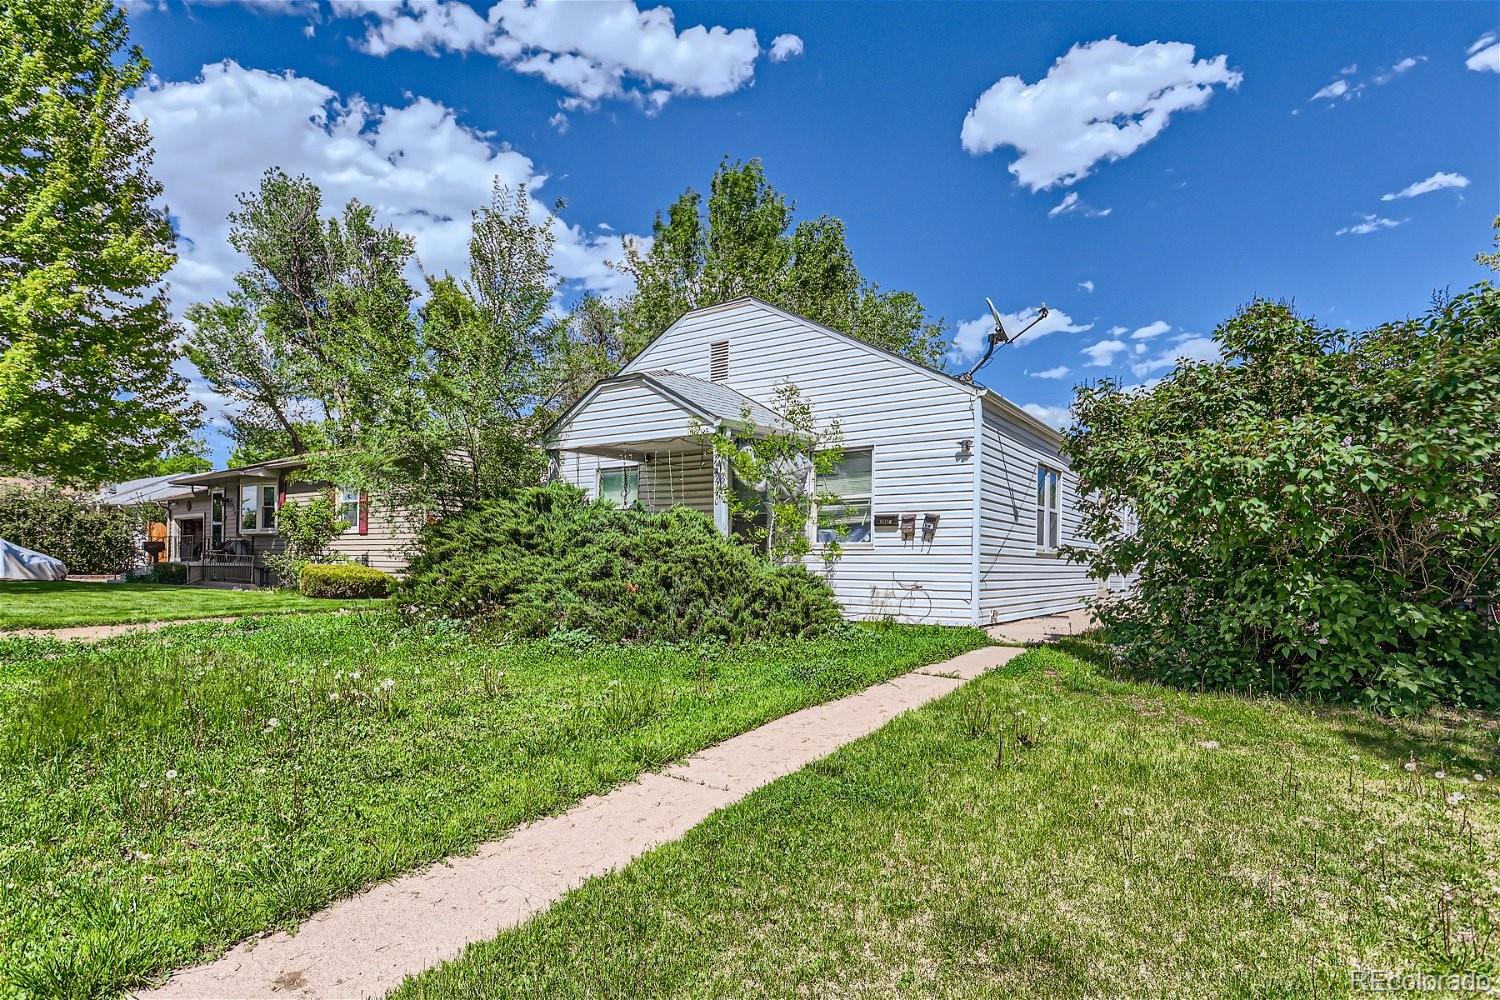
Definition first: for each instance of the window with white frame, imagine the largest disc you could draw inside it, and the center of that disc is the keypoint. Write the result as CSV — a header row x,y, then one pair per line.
x,y
257,506
349,504
621,484
844,515
1048,508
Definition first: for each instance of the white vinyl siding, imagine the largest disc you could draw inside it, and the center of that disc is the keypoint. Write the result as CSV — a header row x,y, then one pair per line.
x,y
1018,578
912,418
625,412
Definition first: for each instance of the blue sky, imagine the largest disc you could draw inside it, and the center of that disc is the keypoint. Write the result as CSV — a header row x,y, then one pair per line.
x,y
1141,168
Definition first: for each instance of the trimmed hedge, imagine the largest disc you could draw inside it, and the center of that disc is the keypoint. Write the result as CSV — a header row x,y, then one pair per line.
x,y
343,580
549,560
165,573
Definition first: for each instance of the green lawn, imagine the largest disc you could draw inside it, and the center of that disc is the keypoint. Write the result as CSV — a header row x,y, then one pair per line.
x,y
1134,841
165,794
61,604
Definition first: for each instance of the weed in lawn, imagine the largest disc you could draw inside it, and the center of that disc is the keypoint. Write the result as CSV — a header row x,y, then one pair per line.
x,y
163,795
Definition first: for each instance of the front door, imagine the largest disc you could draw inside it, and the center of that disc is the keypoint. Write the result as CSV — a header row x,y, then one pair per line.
x,y
190,541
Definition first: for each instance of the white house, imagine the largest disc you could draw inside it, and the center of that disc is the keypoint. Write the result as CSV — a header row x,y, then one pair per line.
x,y
954,501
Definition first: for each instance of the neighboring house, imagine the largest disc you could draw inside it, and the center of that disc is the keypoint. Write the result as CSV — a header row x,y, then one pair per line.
x,y
222,524
953,501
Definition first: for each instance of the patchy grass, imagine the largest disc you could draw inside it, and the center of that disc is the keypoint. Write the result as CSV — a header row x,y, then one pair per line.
x,y
165,794
63,604
1129,841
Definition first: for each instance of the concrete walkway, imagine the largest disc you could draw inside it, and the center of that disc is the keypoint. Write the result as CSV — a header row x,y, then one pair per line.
x,y
1043,629
366,944
90,633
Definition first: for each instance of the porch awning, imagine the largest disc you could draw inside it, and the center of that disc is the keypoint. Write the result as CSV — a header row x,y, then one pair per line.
x,y
659,406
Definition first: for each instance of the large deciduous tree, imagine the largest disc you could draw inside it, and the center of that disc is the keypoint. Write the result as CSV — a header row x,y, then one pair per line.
x,y
498,362
86,339
1319,513
319,326
742,242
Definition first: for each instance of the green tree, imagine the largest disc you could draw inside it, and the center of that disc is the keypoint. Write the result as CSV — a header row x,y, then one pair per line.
x,y
743,242
86,340
1319,513
190,457
497,365
319,325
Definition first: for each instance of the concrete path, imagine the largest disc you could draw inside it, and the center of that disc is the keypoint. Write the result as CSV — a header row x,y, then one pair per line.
x,y
365,945
89,633
1044,628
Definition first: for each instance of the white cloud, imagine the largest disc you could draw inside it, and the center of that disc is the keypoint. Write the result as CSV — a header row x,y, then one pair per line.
x,y
1371,224
1436,182
1103,354
560,122
1351,68
1059,372
1115,331
1337,88
606,49
971,337
1188,346
1409,63
1103,100
422,170
1054,416
1151,330
1484,54
784,47
1087,286
1072,204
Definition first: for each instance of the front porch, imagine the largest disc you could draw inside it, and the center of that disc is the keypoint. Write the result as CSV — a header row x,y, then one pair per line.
x,y
643,437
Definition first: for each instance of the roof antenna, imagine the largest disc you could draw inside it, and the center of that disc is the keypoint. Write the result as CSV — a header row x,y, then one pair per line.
x,y
1000,336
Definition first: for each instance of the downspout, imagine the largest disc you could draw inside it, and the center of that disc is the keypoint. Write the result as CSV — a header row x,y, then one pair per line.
x,y
977,519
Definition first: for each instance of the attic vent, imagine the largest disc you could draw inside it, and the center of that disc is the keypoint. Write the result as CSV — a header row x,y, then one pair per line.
x,y
718,360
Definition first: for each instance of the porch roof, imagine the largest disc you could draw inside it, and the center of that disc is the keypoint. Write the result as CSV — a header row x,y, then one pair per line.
x,y
630,407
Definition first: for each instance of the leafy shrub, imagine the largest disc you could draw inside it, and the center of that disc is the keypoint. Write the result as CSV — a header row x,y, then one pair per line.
x,y
306,528
343,580
1315,514
87,537
549,560
165,573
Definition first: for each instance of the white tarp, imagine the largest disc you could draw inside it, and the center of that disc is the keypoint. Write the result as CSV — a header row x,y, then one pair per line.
x,y
17,563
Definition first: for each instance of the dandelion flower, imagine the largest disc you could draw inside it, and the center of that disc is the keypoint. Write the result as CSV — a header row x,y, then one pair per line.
x,y
1410,765
171,773
1479,777
1209,744
387,684
1127,811
273,723
1440,775
1454,798
333,696
354,675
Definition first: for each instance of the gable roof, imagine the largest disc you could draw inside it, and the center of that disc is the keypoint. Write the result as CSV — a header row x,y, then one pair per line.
x,y
1002,403
711,402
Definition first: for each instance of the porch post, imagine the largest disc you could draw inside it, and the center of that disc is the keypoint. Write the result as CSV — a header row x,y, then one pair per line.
x,y
721,486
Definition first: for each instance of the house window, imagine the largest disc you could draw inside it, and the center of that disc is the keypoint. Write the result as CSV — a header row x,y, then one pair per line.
x,y
1048,507
622,485
844,514
258,507
216,505
349,508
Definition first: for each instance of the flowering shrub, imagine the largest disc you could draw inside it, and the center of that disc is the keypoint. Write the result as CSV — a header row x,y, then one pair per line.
x,y
549,560
1315,514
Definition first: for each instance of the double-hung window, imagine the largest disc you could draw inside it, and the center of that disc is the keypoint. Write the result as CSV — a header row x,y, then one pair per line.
x,y
349,507
1048,508
844,514
621,484
257,506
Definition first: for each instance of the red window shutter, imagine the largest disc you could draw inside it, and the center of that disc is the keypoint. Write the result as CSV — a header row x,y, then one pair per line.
x,y
281,491
364,513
